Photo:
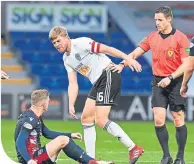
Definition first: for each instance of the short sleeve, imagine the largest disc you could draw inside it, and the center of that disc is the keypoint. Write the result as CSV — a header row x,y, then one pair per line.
x,y
89,45
68,68
144,43
184,46
86,43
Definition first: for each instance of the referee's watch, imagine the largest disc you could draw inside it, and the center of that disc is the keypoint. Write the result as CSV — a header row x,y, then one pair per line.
x,y
170,77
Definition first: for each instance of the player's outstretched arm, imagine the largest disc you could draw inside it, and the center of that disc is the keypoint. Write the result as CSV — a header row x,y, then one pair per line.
x,y
49,134
72,92
133,64
134,55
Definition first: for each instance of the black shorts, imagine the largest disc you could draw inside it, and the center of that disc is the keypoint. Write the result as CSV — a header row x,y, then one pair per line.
x,y
106,90
162,97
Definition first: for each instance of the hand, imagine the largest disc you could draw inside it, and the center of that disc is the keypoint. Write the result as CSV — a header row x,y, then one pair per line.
x,y
4,75
133,64
164,82
117,67
183,90
72,112
76,136
32,162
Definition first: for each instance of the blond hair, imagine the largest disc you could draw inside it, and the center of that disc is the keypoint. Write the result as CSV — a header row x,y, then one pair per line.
x,y
39,95
57,31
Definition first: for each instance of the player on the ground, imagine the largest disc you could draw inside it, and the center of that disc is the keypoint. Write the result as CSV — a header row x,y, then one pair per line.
x,y
87,57
189,68
29,129
170,48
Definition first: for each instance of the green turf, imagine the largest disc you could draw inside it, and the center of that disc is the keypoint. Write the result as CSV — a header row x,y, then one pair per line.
x,y
107,147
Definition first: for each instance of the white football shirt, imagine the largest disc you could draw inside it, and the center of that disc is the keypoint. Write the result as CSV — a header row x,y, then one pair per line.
x,y
86,59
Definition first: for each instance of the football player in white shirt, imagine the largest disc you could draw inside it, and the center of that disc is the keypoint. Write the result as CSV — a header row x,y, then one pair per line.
x,y
87,57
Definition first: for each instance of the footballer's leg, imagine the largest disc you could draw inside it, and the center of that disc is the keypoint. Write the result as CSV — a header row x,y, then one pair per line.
x,y
178,107
159,104
181,135
115,130
87,119
108,95
71,150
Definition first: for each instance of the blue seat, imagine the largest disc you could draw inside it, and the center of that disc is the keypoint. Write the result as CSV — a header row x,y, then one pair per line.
x,y
44,35
41,69
57,70
56,57
117,35
25,45
35,57
54,82
33,35
18,35
46,45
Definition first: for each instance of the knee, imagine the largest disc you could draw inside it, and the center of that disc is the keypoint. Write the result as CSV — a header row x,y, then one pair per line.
x,y
101,122
179,118
63,140
87,119
178,121
159,120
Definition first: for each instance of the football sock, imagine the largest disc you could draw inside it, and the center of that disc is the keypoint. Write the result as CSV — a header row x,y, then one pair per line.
x,y
90,139
162,134
181,137
77,153
115,130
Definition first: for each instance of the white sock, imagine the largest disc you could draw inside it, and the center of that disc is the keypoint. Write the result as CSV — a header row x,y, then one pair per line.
x,y
115,130
90,139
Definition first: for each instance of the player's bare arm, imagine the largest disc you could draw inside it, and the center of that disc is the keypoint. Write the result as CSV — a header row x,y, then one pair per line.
x,y
189,68
134,55
72,92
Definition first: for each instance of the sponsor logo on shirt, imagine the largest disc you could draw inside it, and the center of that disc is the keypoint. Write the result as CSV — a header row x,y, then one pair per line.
x,y
27,125
83,69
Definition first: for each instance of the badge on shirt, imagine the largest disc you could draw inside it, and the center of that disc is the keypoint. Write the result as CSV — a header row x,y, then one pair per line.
x,y
170,53
78,57
27,125
187,49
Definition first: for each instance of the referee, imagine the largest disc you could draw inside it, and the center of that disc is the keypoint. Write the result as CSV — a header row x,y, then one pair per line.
x,y
189,68
169,47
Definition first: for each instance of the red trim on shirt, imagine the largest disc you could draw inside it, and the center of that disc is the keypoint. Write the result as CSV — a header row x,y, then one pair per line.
x,y
98,48
93,44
